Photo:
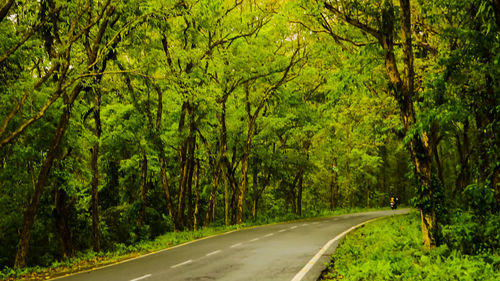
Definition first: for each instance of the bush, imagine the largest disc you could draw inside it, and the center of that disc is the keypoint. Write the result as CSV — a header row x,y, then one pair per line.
x,y
472,234
391,249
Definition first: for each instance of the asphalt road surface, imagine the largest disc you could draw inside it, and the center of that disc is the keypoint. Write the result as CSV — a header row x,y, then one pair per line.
x,y
272,252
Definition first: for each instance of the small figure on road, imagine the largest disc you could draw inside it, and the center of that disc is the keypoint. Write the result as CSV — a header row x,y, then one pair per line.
x,y
394,202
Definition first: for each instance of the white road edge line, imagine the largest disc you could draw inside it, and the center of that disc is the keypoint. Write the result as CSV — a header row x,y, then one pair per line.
x,y
142,277
182,263
213,253
316,257
236,245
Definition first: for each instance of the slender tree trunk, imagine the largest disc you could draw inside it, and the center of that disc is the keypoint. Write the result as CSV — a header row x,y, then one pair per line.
x,y
161,158
95,174
243,183
348,167
166,190
61,214
496,8
29,215
144,190
255,187
226,200
292,194
213,194
197,196
299,192
332,197
184,169
4,10
189,184
95,197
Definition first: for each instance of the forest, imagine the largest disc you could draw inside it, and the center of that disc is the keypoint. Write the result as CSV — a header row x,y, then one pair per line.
x,y
124,120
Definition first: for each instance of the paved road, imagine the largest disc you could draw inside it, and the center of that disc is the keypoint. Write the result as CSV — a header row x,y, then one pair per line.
x,y
272,252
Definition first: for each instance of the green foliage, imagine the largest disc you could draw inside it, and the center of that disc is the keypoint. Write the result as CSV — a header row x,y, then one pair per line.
x,y
473,234
299,88
391,249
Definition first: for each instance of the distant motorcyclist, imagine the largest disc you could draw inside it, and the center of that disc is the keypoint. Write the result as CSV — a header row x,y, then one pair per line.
x,y
394,202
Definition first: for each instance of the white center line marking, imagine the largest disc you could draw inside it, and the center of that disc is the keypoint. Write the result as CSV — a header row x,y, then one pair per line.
x,y
236,245
315,222
253,240
305,224
213,253
142,277
293,227
182,263
283,230
268,235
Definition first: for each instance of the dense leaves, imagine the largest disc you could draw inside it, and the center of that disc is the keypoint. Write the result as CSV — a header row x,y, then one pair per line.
x,y
124,120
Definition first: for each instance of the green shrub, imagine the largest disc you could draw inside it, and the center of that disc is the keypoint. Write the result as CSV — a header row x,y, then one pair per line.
x,y
391,249
473,234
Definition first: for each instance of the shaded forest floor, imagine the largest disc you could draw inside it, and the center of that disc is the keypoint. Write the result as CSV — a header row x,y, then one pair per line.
x,y
90,260
391,249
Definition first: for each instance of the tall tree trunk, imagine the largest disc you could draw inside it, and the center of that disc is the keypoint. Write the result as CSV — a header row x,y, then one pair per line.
x,y
197,196
29,215
255,187
144,190
421,147
61,214
299,192
292,194
189,184
161,158
348,167
95,174
213,194
334,186
184,169
226,200
166,190
243,183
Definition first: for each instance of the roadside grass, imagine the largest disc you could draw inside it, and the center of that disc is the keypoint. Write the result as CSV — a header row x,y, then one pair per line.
x,y
90,260
391,249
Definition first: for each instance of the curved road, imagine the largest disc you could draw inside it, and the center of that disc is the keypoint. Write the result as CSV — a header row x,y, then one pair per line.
x,y
271,252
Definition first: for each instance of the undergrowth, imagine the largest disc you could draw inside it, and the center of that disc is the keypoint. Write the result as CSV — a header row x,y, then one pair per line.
x,y
391,249
86,260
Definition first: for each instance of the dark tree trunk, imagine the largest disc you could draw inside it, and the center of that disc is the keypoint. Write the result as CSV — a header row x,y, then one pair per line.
x,y
496,8
292,193
258,190
299,193
29,215
184,169
191,166
144,190
166,190
161,158
213,194
95,174
61,214
197,196
5,9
